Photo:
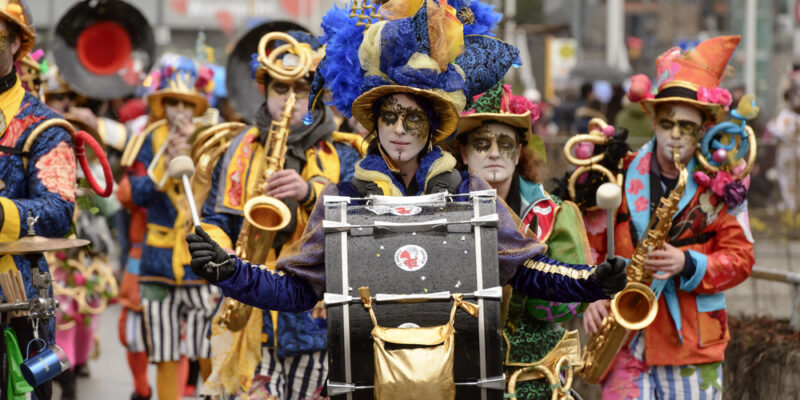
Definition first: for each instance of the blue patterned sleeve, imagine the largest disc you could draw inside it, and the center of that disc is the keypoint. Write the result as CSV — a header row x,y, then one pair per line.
x,y
50,179
348,157
229,223
544,278
142,187
259,287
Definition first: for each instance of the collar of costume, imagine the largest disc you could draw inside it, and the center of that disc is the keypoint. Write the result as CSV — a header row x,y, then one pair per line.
x,y
301,137
637,194
373,168
8,81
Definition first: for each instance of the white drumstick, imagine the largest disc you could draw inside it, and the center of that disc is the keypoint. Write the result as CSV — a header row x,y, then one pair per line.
x,y
609,197
182,168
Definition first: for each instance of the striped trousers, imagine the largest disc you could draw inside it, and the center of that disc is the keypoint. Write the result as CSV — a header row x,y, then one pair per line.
x,y
292,378
630,378
169,309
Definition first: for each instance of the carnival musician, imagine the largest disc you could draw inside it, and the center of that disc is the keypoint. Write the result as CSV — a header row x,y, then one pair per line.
x,y
37,188
171,293
708,249
409,98
314,157
493,142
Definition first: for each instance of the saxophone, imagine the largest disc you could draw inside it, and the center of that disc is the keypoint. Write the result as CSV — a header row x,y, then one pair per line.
x,y
635,307
264,216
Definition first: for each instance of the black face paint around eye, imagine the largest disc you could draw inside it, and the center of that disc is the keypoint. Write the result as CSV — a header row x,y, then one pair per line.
x,y
415,122
481,141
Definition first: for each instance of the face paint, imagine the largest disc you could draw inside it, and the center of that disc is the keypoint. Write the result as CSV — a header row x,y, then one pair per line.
x,y
678,126
492,151
402,128
415,122
278,92
481,140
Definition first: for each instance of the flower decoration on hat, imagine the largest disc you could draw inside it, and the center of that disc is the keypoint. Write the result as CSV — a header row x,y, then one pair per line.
x,y
499,105
418,47
690,77
179,78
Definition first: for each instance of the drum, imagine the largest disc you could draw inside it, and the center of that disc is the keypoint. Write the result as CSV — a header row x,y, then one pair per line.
x,y
413,253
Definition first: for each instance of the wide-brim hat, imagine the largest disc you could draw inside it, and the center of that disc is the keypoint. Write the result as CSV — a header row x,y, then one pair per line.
x,y
421,50
521,122
363,108
19,15
155,101
687,77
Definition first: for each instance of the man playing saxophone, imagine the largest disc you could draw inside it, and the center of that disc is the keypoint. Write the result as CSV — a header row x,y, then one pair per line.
x,y
312,158
707,250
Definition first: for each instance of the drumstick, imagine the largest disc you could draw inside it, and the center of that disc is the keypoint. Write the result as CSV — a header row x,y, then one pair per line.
x,y
609,197
182,168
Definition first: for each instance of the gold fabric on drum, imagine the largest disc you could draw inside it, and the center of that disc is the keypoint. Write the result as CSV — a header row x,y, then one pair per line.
x,y
415,362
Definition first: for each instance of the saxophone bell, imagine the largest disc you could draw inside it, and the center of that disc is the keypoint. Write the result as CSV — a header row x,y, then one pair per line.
x,y
267,213
635,306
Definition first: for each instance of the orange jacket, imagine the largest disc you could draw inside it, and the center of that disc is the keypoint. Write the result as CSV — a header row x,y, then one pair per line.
x,y
721,247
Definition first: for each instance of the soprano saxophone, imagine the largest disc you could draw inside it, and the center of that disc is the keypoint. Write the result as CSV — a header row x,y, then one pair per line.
x,y
264,216
635,307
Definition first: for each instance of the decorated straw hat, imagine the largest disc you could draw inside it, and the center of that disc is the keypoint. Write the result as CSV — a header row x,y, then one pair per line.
x,y
442,53
498,105
18,14
179,78
690,77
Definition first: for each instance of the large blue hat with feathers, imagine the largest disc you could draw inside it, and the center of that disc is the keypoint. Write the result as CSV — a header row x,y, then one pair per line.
x,y
443,52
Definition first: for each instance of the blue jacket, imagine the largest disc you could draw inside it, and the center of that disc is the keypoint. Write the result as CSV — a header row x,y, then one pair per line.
x,y
44,190
300,280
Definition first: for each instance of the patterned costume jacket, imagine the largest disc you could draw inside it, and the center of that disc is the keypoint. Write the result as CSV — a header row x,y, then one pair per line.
x,y
532,330
45,190
300,280
165,256
329,161
691,325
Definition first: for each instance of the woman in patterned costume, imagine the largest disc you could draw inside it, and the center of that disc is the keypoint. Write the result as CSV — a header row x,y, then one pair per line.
x,y
495,141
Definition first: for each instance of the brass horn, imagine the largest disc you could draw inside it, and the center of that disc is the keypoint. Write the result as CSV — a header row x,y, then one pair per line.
x,y
635,306
104,49
243,91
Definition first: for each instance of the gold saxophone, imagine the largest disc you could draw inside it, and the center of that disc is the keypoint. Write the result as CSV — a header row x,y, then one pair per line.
x,y
635,307
264,216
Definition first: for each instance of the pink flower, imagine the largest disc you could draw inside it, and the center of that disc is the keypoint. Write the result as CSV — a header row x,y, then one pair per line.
x,y
57,171
621,382
703,95
718,183
715,95
635,186
641,204
644,164
595,222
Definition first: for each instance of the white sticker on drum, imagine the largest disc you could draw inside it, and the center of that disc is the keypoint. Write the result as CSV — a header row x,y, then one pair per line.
x,y
406,210
407,325
380,210
410,257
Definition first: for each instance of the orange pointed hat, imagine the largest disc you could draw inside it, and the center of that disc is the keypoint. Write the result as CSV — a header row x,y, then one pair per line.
x,y
691,77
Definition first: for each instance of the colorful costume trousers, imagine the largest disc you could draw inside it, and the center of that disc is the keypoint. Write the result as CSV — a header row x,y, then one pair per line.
x,y
290,378
631,378
167,309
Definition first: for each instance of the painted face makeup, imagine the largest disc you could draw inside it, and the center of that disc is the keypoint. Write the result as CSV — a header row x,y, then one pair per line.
x,y
492,151
403,128
678,126
415,122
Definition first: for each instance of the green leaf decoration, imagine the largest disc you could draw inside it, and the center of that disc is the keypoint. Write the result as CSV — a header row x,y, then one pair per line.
x,y
687,371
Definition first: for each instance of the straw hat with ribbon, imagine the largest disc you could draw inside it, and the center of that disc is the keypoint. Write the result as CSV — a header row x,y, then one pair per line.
x,y
179,78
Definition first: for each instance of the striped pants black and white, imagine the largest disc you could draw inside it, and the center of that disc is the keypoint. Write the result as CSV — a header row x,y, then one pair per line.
x,y
164,317
291,378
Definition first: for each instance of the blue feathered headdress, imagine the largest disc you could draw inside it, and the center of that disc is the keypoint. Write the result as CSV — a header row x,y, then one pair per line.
x,y
367,61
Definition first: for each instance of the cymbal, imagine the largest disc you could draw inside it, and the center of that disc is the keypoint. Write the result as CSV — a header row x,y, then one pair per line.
x,y
38,244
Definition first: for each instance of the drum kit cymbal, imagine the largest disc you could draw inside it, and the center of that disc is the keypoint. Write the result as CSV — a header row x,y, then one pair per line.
x,y
39,244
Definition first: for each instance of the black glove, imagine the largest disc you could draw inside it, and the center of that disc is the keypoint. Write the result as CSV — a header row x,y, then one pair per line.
x,y
610,275
209,261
